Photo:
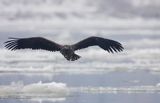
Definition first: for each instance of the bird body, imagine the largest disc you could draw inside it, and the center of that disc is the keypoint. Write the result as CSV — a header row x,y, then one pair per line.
x,y
68,51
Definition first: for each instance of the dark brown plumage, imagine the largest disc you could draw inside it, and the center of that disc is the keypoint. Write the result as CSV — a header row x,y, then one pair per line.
x,y
66,50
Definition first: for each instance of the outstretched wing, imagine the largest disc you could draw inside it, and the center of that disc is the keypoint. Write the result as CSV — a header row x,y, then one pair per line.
x,y
106,44
32,43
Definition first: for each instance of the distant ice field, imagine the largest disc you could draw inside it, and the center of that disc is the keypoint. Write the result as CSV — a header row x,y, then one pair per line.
x,y
139,54
133,71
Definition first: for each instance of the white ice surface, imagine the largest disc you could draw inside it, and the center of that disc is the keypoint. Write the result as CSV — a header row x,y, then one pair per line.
x,y
35,90
132,89
59,91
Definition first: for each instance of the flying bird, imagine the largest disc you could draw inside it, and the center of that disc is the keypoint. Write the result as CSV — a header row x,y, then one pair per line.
x,y
68,51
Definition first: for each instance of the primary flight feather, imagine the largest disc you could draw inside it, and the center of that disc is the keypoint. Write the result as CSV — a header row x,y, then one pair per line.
x,y
66,50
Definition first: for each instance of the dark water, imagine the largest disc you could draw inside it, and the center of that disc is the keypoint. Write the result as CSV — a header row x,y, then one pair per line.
x,y
98,98
113,79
